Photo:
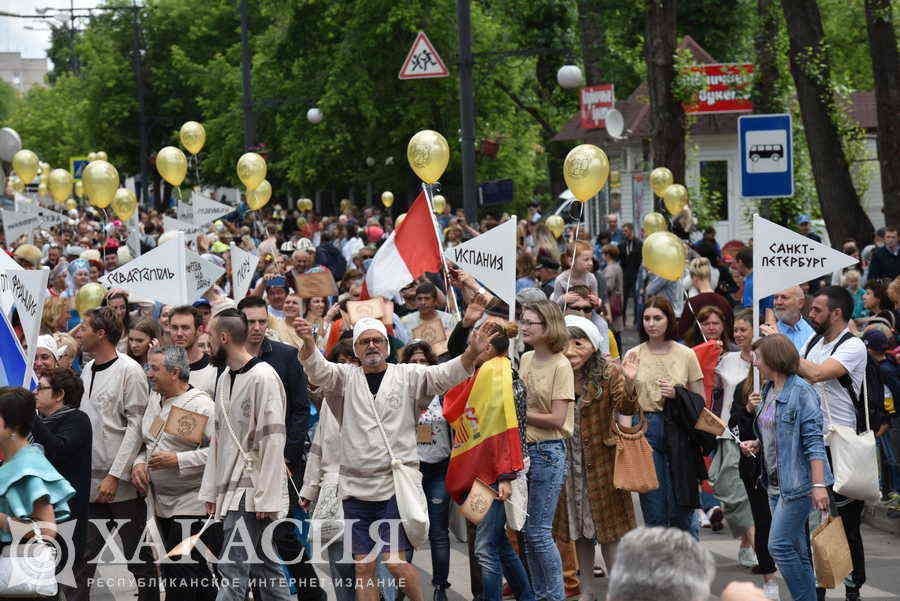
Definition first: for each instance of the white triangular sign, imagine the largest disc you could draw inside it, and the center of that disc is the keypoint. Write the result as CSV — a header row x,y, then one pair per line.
x,y
207,210
783,258
6,298
422,61
51,218
243,266
190,230
17,224
158,275
133,241
184,212
29,289
201,275
491,259
23,203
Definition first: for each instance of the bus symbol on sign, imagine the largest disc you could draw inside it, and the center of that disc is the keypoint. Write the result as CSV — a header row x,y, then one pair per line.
x,y
765,151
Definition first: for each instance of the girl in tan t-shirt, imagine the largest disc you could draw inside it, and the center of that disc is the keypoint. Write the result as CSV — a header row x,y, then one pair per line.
x,y
550,386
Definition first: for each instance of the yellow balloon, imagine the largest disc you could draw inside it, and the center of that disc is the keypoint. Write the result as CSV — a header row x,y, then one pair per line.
x,y
301,221
660,179
585,170
17,184
124,204
101,156
387,198
675,198
60,184
25,163
79,189
92,156
257,198
89,297
193,136
556,225
399,221
664,255
440,204
305,204
428,154
101,180
72,204
251,169
172,165
43,190
654,222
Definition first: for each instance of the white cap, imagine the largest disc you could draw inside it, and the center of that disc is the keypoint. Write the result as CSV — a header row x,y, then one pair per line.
x,y
48,342
368,323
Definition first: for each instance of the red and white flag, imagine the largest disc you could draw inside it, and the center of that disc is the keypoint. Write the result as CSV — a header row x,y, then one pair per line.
x,y
410,250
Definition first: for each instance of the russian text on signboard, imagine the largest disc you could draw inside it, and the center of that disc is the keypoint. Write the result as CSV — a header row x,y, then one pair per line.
x,y
722,88
595,103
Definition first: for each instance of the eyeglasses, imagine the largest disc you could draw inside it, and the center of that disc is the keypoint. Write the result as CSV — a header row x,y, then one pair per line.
x,y
531,324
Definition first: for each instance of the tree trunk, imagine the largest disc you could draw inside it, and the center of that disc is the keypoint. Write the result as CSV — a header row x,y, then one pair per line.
x,y
766,93
886,68
843,214
593,39
666,112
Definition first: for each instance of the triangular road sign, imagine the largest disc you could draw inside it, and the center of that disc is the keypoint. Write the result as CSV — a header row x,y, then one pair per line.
x,y
491,259
423,61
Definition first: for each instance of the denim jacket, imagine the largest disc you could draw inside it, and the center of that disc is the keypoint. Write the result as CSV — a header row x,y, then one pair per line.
x,y
798,438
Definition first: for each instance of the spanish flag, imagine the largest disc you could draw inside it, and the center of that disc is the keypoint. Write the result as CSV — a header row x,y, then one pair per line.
x,y
482,415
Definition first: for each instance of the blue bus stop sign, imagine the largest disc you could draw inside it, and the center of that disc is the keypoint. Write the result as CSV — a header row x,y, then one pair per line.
x,y
765,144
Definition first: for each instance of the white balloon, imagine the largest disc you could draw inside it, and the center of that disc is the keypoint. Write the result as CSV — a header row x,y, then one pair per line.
x,y
314,115
569,76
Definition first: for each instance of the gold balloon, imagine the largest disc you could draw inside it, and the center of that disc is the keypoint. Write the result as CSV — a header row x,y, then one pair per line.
x,y
172,165
585,170
45,166
92,156
101,156
305,204
79,189
664,255
17,184
60,184
89,297
193,136
251,169
556,225
440,204
257,198
660,179
675,198
101,180
428,155
301,222
654,222
43,190
25,164
399,221
72,204
387,198
124,204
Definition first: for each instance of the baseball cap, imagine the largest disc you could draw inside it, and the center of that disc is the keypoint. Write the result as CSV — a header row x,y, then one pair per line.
x,y
202,302
876,340
803,218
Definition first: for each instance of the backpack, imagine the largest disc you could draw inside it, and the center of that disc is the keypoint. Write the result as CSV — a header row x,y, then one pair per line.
x,y
874,388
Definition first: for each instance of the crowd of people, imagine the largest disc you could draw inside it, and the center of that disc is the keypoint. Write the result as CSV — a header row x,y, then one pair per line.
x,y
230,416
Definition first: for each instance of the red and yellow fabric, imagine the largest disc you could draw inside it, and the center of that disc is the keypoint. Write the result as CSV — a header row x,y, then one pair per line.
x,y
708,355
482,416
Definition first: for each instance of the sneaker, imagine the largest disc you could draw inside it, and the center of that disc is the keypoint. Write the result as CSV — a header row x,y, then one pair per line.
x,y
716,517
747,558
704,520
771,590
851,593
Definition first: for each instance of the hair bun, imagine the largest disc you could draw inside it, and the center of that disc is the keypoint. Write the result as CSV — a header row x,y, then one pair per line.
x,y
511,329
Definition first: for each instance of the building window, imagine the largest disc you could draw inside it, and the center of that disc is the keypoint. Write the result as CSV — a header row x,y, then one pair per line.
x,y
714,188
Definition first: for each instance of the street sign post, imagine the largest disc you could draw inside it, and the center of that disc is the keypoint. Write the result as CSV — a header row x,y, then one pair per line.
x,y
76,166
423,61
765,145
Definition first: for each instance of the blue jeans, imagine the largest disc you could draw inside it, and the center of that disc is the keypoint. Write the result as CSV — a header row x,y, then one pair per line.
x,y
433,475
789,545
496,558
545,481
659,506
343,573
887,443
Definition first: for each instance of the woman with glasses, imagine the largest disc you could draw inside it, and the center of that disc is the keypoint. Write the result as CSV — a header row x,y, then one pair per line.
x,y
65,433
663,365
595,510
550,393
433,442
791,450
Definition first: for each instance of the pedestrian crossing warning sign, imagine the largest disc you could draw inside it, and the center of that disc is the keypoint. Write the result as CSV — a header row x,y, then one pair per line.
x,y
422,61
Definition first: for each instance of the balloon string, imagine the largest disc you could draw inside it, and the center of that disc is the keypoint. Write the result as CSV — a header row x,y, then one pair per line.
x,y
574,250
197,169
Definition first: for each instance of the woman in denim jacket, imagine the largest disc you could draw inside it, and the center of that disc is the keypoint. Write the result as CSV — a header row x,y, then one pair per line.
x,y
795,472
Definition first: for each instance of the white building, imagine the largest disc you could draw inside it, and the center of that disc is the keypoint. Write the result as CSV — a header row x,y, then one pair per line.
x,y
712,150
22,73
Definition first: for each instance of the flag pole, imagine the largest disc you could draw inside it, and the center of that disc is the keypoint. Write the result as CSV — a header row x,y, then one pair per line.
x,y
450,292
756,261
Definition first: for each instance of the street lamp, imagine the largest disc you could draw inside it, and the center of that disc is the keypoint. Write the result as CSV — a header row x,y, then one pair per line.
x,y
569,77
314,116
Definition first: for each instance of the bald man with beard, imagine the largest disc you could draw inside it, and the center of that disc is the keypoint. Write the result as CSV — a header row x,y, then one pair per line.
x,y
789,319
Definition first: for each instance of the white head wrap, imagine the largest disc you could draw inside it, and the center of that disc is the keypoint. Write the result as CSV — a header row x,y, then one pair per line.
x,y
587,326
48,342
368,323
